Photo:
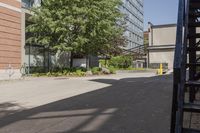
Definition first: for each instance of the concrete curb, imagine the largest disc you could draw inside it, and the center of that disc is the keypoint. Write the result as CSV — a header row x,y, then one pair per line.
x,y
136,71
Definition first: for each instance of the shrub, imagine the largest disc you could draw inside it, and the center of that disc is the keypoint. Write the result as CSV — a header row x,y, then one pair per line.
x,y
83,69
96,70
66,72
121,61
56,72
79,73
112,70
49,74
38,74
104,63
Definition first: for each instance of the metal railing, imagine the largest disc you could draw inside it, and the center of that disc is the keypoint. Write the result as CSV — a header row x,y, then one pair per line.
x,y
180,59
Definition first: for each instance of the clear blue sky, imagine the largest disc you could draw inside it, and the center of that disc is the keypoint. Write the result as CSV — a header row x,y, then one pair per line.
x,y
160,11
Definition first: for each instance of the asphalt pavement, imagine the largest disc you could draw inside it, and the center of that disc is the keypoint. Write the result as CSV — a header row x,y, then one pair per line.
x,y
122,103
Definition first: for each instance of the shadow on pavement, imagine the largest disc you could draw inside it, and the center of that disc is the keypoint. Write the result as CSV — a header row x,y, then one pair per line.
x,y
8,108
131,105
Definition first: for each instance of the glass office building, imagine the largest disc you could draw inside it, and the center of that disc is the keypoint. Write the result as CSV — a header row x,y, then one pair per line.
x,y
133,9
30,3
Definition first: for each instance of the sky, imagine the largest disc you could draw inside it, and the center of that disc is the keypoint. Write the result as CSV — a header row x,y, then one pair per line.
x,y
160,12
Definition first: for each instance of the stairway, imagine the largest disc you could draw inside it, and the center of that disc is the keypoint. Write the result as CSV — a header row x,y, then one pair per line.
x,y
186,64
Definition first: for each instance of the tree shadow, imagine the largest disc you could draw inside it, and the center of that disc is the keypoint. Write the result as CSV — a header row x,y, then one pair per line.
x,y
130,105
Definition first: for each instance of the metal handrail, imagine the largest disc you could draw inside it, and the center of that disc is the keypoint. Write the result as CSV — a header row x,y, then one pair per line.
x,y
180,59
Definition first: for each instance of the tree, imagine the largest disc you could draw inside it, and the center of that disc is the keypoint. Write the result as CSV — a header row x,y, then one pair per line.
x,y
89,27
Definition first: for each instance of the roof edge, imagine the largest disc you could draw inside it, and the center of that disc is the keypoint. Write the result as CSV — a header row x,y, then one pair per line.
x,y
163,25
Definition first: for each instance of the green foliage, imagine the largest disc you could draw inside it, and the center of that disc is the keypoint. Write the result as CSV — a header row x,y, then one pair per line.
x,y
48,74
121,61
112,70
38,74
104,63
96,70
57,72
67,70
80,73
90,27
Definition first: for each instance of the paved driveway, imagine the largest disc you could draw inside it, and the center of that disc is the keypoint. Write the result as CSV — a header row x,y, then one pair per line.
x,y
122,103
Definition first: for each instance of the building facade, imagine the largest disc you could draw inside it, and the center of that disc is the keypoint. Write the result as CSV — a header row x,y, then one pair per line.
x,y
10,38
133,10
161,47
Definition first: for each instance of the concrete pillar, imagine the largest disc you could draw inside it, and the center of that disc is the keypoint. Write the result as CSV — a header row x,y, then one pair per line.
x,y
147,59
150,30
150,34
23,36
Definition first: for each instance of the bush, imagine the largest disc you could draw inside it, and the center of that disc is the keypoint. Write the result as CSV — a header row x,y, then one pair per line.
x,y
121,61
79,73
66,72
83,69
96,70
49,74
38,74
104,63
112,70
57,72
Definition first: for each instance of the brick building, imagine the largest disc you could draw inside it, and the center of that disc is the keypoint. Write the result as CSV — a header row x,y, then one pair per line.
x,y
10,38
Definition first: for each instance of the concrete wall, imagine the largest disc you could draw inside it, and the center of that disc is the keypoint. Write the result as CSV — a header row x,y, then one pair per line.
x,y
8,74
23,35
164,36
162,56
162,40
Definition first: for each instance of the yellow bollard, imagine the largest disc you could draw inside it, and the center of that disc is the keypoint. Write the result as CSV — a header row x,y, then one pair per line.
x,y
161,69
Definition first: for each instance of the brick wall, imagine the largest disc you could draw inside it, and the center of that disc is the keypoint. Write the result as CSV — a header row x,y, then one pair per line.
x,y
10,33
